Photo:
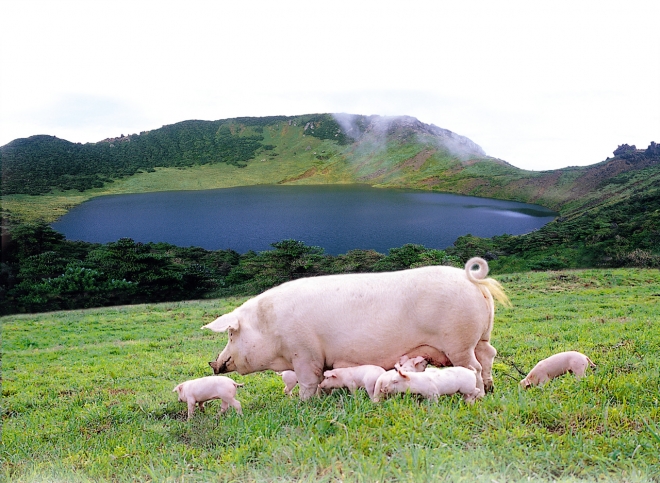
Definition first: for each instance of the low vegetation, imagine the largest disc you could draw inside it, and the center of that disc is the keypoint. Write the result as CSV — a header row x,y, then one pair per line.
x,y
617,234
87,396
42,271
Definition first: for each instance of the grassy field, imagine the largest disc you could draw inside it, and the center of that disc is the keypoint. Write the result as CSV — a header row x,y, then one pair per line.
x,y
87,396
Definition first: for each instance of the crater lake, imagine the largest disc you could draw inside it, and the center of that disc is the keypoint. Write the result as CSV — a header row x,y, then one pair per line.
x,y
337,218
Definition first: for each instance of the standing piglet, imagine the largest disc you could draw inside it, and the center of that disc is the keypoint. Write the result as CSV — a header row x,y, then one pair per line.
x,y
557,365
352,377
198,391
430,384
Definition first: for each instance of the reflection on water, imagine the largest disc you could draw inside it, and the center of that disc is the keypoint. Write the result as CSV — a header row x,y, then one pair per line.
x,y
336,217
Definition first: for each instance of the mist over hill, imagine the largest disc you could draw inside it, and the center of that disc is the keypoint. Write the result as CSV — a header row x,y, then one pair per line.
x,y
41,163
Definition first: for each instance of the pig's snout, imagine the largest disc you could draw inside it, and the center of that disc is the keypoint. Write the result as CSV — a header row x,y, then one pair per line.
x,y
219,367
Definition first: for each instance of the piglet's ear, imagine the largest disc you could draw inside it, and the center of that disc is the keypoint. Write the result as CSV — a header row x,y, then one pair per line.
x,y
401,373
223,323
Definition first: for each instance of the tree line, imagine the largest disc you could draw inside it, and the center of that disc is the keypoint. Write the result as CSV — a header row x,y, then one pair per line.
x,y
623,234
42,271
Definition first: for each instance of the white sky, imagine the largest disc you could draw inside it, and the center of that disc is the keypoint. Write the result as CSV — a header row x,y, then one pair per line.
x,y
542,85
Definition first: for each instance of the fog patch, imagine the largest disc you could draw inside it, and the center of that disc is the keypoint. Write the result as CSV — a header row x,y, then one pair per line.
x,y
378,130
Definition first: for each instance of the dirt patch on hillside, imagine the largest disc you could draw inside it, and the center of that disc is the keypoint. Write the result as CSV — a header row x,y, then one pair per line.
x,y
470,162
307,174
430,182
373,175
472,184
417,161
596,174
538,185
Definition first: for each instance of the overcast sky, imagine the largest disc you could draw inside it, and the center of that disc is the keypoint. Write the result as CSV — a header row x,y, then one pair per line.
x,y
542,85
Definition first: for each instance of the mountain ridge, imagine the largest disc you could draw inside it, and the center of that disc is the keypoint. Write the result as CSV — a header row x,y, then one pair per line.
x,y
383,151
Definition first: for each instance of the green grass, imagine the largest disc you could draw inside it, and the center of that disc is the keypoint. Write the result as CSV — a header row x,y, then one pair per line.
x,y
86,396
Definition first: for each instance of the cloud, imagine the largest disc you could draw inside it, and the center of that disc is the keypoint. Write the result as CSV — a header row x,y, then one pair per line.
x,y
539,85
80,118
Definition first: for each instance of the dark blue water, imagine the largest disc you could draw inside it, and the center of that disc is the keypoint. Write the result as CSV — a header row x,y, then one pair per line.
x,y
338,218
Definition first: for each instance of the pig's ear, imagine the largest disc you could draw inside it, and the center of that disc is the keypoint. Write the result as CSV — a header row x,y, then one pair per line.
x,y
223,323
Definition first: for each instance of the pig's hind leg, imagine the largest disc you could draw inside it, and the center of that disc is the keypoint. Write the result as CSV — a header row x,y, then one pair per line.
x,y
485,354
236,405
578,368
230,402
224,406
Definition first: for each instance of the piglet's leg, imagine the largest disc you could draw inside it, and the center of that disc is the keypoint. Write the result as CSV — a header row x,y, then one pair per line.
x,y
191,408
224,406
579,368
470,397
236,405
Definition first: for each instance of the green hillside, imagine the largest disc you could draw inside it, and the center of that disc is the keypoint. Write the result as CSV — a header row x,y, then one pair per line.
x,y
609,211
309,149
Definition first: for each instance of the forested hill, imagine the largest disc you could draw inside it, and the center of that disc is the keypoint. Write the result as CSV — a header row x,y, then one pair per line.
x,y
39,164
316,148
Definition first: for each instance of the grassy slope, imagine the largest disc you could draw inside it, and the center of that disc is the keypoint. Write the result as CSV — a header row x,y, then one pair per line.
x,y
404,160
87,397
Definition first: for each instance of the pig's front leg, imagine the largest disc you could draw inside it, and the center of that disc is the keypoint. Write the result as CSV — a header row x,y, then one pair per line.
x,y
309,375
191,408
